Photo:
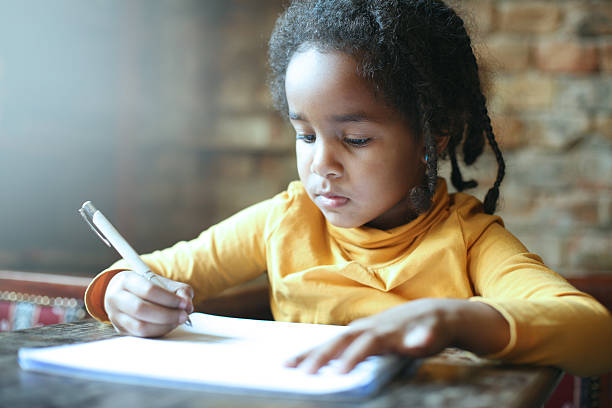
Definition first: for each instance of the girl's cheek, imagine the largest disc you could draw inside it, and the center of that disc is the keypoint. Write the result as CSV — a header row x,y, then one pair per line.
x,y
303,161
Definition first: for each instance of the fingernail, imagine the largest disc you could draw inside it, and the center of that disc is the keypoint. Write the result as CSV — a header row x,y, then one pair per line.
x,y
308,368
341,371
185,293
183,304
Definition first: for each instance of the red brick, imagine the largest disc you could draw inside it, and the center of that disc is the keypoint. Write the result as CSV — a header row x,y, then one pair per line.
x,y
478,15
596,20
542,242
584,211
522,93
567,57
504,54
529,17
603,126
605,211
557,130
590,251
605,54
508,131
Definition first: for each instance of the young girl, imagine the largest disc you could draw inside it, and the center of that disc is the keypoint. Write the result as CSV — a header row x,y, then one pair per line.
x,y
377,91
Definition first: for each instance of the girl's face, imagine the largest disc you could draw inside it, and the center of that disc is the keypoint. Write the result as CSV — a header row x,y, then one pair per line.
x,y
356,157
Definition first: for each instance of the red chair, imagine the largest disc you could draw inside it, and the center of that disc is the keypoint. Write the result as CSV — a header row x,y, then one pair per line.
x,y
581,392
38,299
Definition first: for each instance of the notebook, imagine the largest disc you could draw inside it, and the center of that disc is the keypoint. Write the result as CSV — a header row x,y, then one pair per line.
x,y
220,354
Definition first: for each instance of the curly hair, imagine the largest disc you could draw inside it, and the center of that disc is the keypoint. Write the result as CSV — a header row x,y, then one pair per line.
x,y
418,58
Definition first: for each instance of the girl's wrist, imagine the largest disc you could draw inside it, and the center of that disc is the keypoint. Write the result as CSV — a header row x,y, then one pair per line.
x,y
456,316
477,327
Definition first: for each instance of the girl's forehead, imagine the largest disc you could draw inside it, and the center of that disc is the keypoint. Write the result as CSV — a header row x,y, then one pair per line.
x,y
329,81
324,76
324,72
323,61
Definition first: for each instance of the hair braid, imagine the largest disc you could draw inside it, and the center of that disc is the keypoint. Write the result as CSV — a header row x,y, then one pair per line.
x,y
478,127
429,99
490,201
421,196
431,155
456,177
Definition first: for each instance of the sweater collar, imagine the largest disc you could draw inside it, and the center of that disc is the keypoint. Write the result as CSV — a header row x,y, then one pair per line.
x,y
372,238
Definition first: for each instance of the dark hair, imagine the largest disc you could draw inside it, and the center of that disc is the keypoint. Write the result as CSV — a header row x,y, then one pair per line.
x,y
418,58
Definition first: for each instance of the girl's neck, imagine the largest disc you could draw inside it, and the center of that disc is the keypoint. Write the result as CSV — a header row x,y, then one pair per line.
x,y
402,213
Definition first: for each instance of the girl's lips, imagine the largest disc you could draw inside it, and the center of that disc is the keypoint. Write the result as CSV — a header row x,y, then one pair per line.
x,y
331,201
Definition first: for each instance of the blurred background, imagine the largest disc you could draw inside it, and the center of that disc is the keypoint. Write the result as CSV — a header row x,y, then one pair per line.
x,y
158,112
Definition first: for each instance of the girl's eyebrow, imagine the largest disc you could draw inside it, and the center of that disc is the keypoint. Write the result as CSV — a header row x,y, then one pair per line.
x,y
352,117
346,117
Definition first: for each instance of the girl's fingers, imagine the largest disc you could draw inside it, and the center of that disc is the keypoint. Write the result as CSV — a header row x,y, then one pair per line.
x,y
297,360
415,341
362,347
146,290
179,288
137,307
127,303
128,325
322,355
352,348
183,290
186,292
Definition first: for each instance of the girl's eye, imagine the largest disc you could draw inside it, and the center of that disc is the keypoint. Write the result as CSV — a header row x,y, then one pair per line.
x,y
360,142
307,138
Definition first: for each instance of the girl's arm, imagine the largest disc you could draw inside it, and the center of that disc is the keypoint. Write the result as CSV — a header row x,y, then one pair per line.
x,y
225,255
418,328
522,313
551,322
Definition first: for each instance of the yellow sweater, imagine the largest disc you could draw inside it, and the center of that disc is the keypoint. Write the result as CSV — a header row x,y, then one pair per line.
x,y
319,273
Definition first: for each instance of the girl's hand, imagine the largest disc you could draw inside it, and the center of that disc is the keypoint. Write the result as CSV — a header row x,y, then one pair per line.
x,y
137,307
418,328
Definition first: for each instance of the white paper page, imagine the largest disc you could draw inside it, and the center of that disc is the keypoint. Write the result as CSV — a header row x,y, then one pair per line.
x,y
218,351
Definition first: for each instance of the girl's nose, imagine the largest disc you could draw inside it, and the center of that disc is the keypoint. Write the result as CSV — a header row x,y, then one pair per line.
x,y
325,162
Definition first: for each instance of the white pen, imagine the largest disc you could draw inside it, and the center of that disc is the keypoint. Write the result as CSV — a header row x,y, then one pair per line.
x,y
111,237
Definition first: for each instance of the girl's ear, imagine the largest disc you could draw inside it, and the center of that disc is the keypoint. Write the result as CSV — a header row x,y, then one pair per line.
x,y
441,143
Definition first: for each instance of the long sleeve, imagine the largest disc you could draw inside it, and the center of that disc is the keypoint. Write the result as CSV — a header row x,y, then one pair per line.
x,y
551,322
226,254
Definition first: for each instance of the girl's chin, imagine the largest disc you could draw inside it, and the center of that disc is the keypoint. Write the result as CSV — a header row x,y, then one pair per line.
x,y
340,221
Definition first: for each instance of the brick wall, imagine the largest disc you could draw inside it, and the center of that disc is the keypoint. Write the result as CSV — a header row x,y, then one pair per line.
x,y
193,138
547,65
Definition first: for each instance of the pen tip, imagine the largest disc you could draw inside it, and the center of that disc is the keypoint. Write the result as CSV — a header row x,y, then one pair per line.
x,y
88,208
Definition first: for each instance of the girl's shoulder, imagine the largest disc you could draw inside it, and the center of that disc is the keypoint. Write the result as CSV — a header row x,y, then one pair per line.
x,y
294,197
468,212
461,207
292,208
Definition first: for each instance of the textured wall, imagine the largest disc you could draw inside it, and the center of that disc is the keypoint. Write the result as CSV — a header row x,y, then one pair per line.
x,y
550,94
179,125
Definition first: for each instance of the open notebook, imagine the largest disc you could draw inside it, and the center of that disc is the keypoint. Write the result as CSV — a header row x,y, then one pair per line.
x,y
218,353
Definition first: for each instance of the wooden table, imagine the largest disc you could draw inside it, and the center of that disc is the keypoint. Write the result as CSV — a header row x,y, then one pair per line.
x,y
452,379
